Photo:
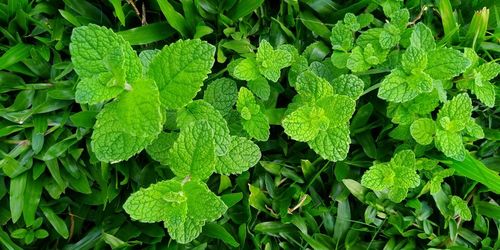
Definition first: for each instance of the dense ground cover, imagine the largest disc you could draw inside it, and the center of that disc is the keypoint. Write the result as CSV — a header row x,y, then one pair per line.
x,y
206,124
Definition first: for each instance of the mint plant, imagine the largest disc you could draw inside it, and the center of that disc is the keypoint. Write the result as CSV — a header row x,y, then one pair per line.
x,y
140,91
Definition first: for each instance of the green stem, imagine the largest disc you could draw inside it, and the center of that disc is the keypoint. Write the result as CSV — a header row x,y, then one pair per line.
x,y
371,88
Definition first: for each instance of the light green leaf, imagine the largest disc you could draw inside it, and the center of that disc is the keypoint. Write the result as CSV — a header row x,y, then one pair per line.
x,y
438,178
396,177
95,50
423,130
260,87
247,69
324,70
342,37
304,123
179,70
445,63
270,61
184,207
485,93
352,22
158,149
349,85
98,88
254,121
414,60
422,38
127,125
242,155
201,110
146,56
450,144
332,144
311,87
399,87
458,111
221,94
473,129
460,207
193,153
338,108
489,70
356,61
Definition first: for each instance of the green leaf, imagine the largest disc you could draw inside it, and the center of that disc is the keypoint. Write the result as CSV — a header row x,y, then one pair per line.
x,y
201,110
247,69
414,60
460,207
349,85
338,108
193,153
127,125
158,149
450,144
332,144
304,123
241,155
356,61
438,178
457,111
179,70
399,87
98,88
146,57
473,129
423,130
56,222
260,87
184,207
95,50
311,88
445,63
422,38
270,61
485,93
254,121
221,94
396,177
489,70
342,37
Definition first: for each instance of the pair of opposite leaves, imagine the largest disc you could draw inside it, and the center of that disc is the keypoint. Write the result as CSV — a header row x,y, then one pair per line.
x,y
142,87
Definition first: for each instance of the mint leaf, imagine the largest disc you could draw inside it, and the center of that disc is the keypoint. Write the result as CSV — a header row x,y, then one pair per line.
x,y
201,110
260,87
311,87
450,144
95,50
438,178
146,56
394,177
324,70
356,61
247,69
254,121
179,70
457,111
473,129
127,125
270,61
332,144
400,87
489,70
98,88
221,94
342,37
352,22
304,123
349,85
241,155
414,59
193,153
485,93
460,207
158,149
445,63
338,108
183,207
423,130
422,38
